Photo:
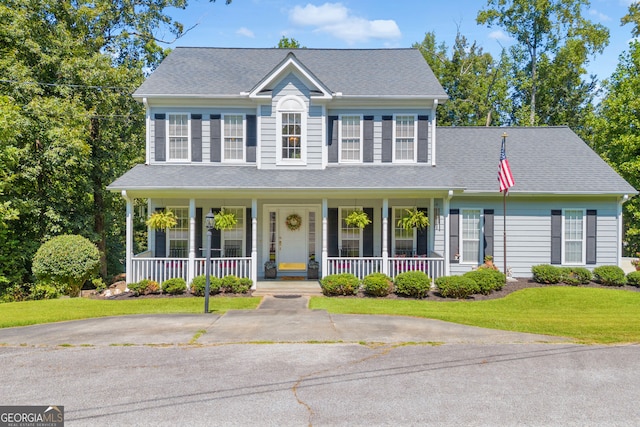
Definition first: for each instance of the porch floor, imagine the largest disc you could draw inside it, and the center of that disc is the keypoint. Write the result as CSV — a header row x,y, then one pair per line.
x,y
287,287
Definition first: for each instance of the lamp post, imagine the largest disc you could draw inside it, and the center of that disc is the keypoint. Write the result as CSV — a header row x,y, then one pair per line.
x,y
209,222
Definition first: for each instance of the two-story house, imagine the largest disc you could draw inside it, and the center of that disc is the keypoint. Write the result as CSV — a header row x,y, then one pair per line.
x,y
292,141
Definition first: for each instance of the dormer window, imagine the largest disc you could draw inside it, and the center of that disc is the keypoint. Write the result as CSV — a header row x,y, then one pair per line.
x,y
292,131
178,137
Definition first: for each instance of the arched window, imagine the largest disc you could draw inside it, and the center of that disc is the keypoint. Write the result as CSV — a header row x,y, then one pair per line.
x,y
292,130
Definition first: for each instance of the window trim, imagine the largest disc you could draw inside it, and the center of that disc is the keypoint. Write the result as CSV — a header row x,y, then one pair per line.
x,y
360,230
302,110
243,231
169,236
415,139
462,239
340,138
223,136
394,222
583,260
168,138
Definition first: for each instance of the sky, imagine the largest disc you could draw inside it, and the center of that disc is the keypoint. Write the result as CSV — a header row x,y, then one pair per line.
x,y
362,24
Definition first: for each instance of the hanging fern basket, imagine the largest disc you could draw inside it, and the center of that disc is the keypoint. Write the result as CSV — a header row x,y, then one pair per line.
x,y
357,219
162,220
413,218
225,220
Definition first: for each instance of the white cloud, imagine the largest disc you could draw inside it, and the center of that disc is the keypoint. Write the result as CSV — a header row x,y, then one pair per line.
x,y
599,15
243,31
499,35
338,21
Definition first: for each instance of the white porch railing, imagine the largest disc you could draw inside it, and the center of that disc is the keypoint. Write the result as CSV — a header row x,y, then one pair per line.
x,y
161,269
360,267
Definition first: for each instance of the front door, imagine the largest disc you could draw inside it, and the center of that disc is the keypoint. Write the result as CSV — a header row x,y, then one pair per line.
x,y
292,235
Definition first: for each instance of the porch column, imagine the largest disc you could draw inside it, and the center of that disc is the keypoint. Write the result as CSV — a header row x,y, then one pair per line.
x,y
447,243
254,242
192,241
128,239
325,233
385,236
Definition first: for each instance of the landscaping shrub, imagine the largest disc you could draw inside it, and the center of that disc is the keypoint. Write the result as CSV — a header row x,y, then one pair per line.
x,y
546,273
41,291
609,275
235,285
99,284
16,292
413,284
340,284
198,285
457,286
174,286
377,285
633,279
576,276
144,287
67,259
487,279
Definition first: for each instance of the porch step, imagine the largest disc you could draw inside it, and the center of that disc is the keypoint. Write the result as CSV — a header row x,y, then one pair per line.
x,y
287,287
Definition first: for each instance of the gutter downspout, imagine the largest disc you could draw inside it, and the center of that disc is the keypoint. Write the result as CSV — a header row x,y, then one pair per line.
x,y
433,132
147,137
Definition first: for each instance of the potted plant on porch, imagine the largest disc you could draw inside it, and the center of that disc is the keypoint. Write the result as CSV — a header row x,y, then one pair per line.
x,y
312,268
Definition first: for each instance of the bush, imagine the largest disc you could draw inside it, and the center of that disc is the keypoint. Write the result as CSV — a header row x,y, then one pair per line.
x,y
545,273
609,275
235,285
16,292
144,287
67,259
413,284
340,284
576,276
174,286
487,279
457,286
633,279
99,284
198,285
377,285
42,291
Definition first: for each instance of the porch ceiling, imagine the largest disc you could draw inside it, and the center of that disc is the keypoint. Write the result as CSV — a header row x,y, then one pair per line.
x,y
373,179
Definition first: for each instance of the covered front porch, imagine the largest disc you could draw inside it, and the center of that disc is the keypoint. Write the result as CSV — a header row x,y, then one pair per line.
x,y
266,238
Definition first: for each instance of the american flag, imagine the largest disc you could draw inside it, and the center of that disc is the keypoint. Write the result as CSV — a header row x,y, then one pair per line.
x,y
505,178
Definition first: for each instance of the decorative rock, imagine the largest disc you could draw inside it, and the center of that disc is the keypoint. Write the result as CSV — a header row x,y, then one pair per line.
x,y
107,293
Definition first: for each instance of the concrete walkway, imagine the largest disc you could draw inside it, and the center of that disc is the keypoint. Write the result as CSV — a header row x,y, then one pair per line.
x,y
276,320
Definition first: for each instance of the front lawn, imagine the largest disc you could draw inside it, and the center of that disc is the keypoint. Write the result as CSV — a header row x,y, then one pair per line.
x,y
585,314
47,311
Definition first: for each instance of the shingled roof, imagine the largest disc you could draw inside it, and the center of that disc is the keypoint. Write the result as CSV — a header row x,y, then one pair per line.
x,y
223,72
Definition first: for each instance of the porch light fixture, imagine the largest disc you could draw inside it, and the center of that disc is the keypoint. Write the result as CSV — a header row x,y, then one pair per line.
x,y
209,222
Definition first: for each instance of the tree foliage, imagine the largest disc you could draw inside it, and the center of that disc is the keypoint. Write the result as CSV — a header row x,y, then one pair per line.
x,y
289,43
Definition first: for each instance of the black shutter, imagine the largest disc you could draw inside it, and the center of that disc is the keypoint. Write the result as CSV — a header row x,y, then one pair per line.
x,y
367,234
216,132
160,139
332,139
161,241
367,136
454,236
332,232
216,239
196,137
422,238
200,252
556,236
252,138
248,227
423,139
387,139
488,232
592,216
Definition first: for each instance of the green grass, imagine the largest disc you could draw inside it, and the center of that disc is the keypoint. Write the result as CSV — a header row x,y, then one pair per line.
x,y
47,311
587,315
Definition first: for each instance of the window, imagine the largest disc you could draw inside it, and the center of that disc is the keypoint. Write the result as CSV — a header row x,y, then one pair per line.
x,y
350,139
291,135
178,236
573,235
470,234
404,139
233,239
403,240
233,138
178,137
350,236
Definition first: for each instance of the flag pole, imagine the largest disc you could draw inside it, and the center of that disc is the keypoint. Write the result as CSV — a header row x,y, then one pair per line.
x,y
504,214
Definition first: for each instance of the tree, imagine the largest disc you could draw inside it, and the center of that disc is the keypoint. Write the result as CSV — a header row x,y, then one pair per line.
x,y
289,43
545,30
477,84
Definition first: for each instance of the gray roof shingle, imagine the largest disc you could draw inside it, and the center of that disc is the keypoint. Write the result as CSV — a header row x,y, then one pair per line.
x,y
210,72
